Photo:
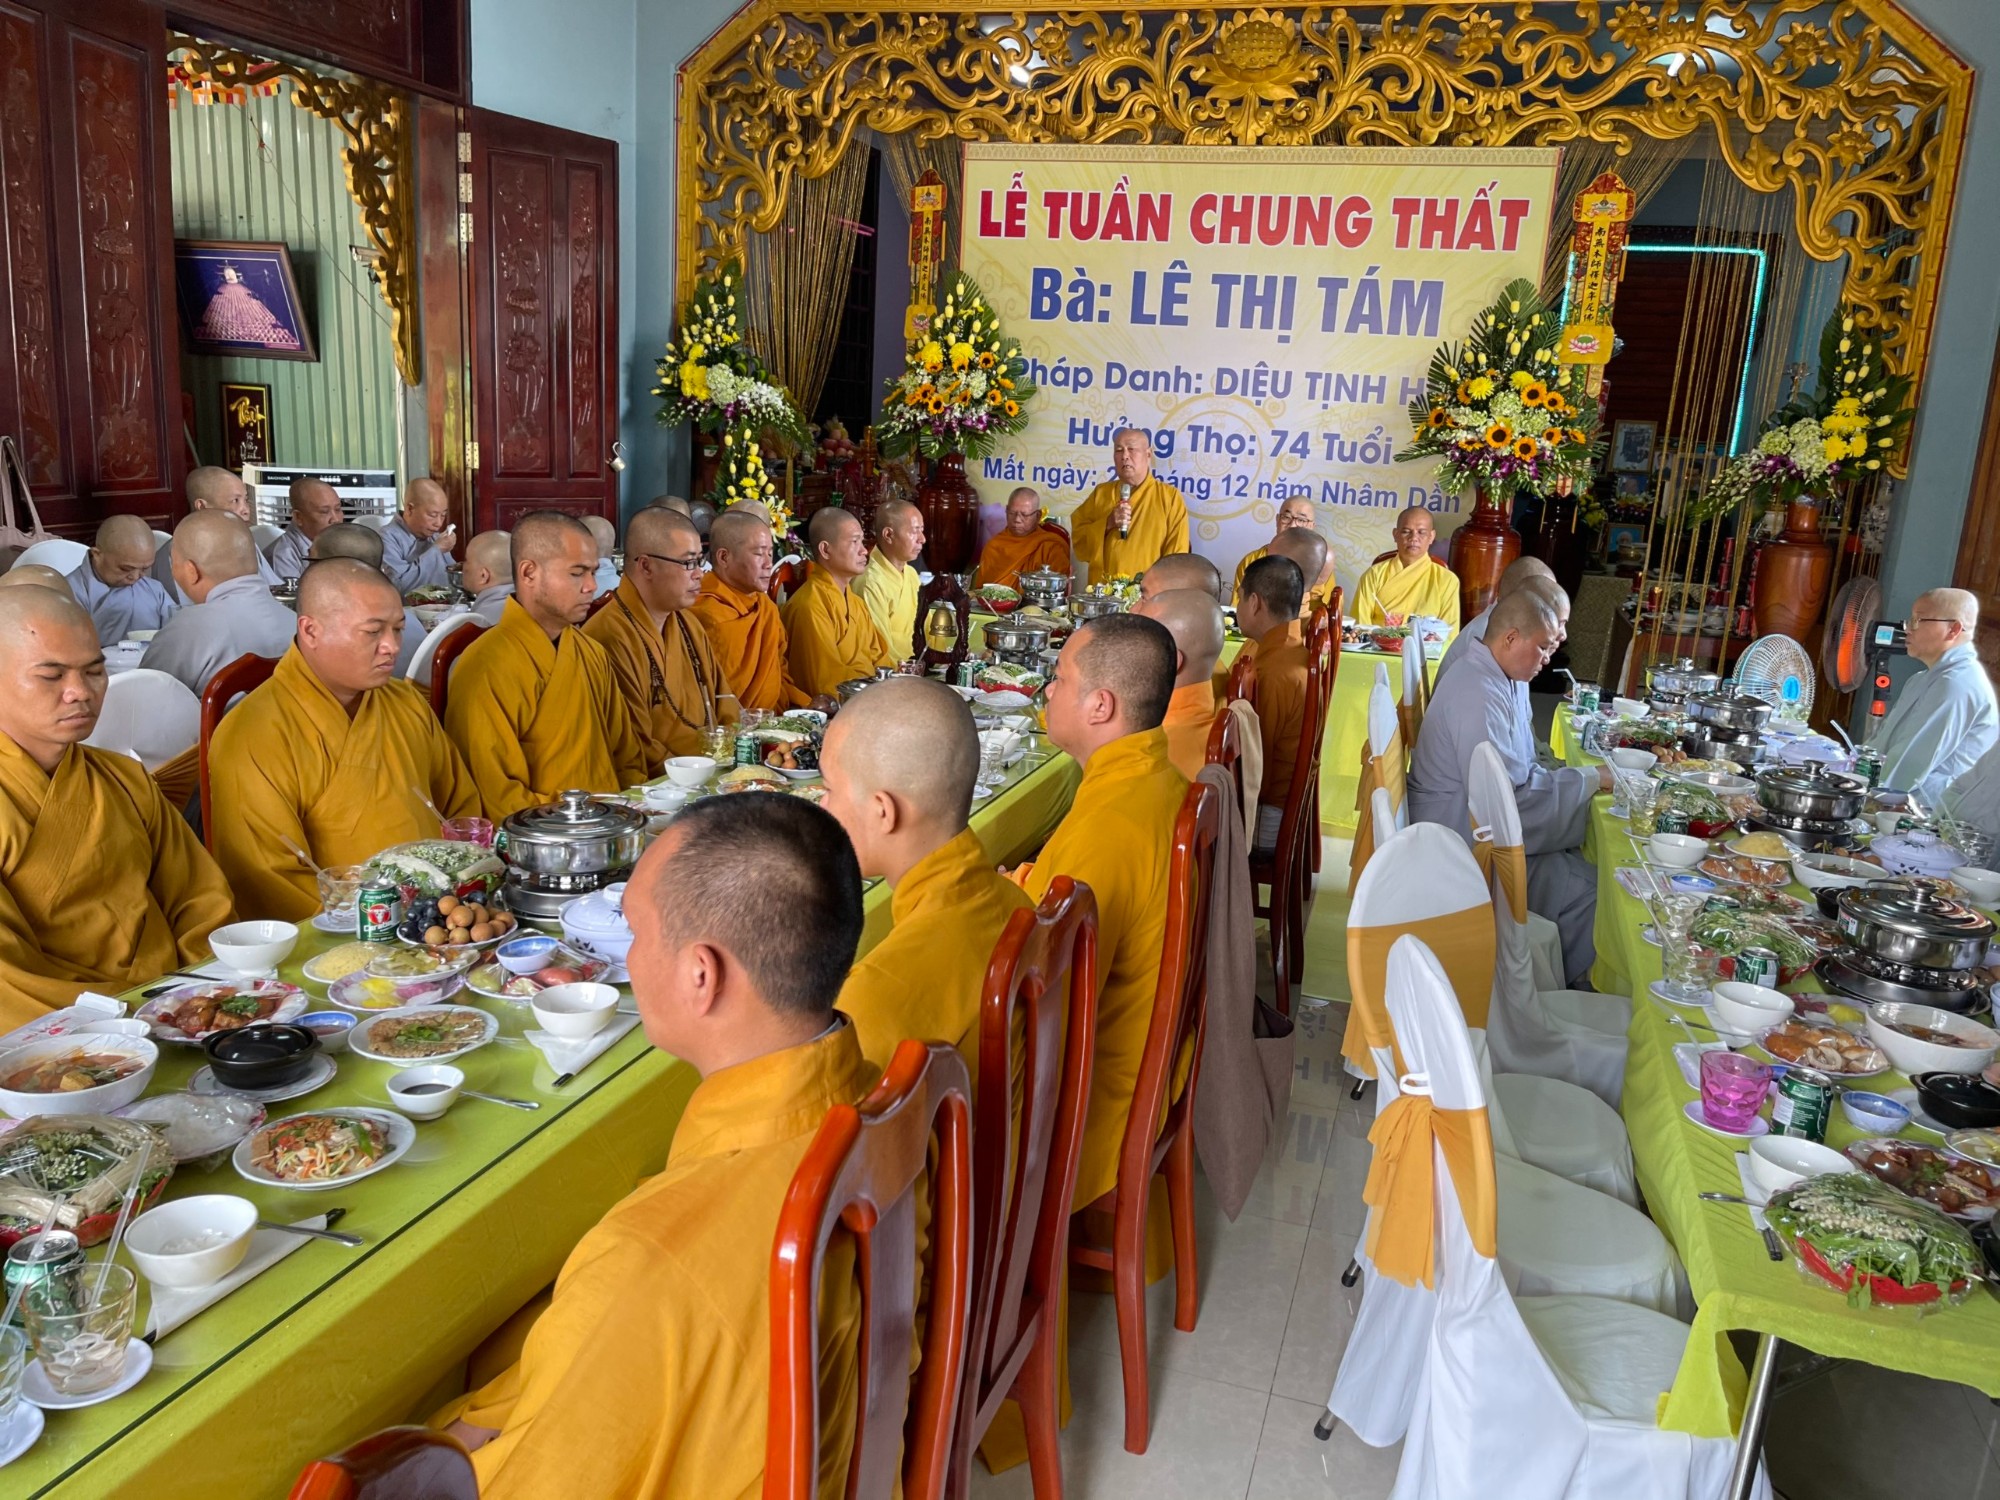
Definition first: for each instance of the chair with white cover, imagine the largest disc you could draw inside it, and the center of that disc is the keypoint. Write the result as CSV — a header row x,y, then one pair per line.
x,y
1540,1398
420,663
1385,763
374,521
1416,688
263,533
57,552
149,714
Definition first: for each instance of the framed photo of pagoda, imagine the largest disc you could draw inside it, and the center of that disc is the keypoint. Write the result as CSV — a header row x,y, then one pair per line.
x,y
239,298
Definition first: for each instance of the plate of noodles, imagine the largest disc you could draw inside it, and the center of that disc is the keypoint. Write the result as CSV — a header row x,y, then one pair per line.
x,y
324,1148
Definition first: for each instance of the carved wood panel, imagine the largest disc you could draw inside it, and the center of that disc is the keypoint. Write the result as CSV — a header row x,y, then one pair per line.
x,y
545,316
31,369
417,42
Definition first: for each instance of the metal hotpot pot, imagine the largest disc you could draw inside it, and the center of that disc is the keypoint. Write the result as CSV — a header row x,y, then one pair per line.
x,y
1679,680
1093,605
1046,588
569,848
1731,711
1908,922
1015,638
1811,791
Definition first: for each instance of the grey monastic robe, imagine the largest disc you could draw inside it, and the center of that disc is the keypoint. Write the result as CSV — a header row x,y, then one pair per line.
x,y
1942,721
239,617
411,561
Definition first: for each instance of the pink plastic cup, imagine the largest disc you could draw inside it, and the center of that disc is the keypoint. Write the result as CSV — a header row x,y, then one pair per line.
x,y
1732,1089
469,831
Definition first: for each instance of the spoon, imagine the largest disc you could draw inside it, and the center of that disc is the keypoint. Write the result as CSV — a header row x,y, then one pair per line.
x,y
435,809
304,858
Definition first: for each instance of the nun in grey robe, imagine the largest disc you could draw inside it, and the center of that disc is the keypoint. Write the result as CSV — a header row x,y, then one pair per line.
x,y
1941,722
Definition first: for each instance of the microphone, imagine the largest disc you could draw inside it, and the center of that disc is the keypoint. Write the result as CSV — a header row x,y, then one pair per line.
x,y
1124,498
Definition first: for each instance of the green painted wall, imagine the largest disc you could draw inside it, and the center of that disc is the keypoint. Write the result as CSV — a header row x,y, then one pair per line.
x,y
268,170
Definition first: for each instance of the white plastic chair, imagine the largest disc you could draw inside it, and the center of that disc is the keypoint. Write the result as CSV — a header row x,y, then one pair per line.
x,y
419,670
1416,687
264,533
57,552
1541,1398
150,714
375,522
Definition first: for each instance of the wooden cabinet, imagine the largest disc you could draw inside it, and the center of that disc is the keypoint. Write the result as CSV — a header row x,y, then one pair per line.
x,y
420,43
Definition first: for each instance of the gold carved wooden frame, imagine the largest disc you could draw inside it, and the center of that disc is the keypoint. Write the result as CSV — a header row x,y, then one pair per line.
x,y
380,158
1854,106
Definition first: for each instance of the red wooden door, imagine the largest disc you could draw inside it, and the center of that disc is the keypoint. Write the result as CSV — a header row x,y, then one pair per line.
x,y
89,352
544,260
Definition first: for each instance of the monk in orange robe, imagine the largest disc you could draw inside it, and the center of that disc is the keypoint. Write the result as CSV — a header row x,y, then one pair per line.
x,y
830,635
743,624
1195,620
1024,547
1273,590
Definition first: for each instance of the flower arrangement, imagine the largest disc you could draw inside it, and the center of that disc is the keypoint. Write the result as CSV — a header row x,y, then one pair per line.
x,y
1847,427
1501,410
710,377
964,385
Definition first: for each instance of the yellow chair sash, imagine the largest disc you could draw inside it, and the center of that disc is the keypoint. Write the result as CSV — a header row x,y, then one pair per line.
x,y
1410,719
1512,862
1388,770
1402,1184
1464,944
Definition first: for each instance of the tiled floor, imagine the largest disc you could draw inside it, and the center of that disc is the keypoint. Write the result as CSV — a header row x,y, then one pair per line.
x,y
1234,1402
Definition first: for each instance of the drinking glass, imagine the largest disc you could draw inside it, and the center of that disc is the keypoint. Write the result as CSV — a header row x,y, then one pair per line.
x,y
468,831
992,757
84,1351
719,744
1732,1089
1673,920
1642,803
13,1364
338,887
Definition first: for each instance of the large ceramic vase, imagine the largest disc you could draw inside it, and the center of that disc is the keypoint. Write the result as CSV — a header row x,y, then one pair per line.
x,y
707,463
951,516
1792,576
1480,552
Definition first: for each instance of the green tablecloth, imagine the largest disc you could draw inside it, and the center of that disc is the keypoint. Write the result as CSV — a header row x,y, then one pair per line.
x,y
1347,732
1736,1285
332,1344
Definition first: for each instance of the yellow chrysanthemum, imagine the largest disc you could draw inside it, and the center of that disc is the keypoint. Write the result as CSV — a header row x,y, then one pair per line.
x,y
1520,380
1836,449
961,356
1499,435
1479,387
1534,393
694,381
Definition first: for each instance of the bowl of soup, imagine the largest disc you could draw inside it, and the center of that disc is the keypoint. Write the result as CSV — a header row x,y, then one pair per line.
x,y
76,1074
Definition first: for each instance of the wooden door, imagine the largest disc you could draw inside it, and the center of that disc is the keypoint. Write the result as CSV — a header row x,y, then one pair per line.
x,y
89,351
544,258
1979,541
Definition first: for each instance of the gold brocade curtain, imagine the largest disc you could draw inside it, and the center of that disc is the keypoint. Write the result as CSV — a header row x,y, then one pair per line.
x,y
796,276
908,158
1643,169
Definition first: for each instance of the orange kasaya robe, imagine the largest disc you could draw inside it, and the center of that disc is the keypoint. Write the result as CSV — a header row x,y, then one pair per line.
x,y
1281,707
1008,556
750,644
1190,717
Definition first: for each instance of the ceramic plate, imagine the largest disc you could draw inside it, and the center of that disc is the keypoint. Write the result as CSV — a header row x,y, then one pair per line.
x,y
317,1076
18,1432
402,1136
1758,1126
1658,990
1911,1100
369,994
35,1385
326,922
291,1000
361,1039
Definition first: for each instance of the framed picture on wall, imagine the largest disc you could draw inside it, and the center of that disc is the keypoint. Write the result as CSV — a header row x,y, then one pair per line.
x,y
246,424
1632,446
1631,486
238,297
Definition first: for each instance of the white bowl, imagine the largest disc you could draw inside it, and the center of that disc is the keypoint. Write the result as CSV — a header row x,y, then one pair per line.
x,y
1750,1009
426,1093
217,1226
117,1026
101,1100
1913,1055
1982,886
530,951
1630,708
1833,872
254,947
596,924
575,1011
664,796
330,1026
1626,758
690,770
1781,1161
1679,851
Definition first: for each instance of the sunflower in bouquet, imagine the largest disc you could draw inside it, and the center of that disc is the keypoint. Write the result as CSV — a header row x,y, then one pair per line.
x,y
1501,410
964,385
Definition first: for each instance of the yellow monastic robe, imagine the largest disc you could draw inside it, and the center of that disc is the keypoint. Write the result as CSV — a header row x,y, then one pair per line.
x,y
1281,706
535,718
833,637
672,685
648,1375
890,591
1007,556
1317,595
1190,717
1117,837
102,884
748,635
289,767
1389,588
923,980
1159,526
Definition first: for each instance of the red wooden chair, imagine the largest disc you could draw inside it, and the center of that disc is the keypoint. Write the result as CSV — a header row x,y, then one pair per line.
x,y
1041,987
785,579
1225,749
239,677
602,599
398,1463
1058,528
861,1173
1159,1132
1324,626
448,651
1285,867
1242,682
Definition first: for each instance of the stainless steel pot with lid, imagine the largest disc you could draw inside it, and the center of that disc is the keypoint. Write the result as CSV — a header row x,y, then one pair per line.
x,y
1013,636
1679,680
1908,922
1093,604
1735,711
1046,587
1811,791
577,834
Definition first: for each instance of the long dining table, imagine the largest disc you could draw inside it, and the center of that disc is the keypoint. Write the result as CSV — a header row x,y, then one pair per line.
x,y
1737,1287
332,1343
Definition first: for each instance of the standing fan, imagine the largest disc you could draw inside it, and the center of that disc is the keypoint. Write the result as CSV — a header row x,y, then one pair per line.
x,y
1843,656
1778,667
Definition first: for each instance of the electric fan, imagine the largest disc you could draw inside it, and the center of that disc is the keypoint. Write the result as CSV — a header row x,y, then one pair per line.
x,y
1843,656
1777,667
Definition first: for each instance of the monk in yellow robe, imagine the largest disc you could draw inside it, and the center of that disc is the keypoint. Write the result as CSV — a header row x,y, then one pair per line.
x,y
743,625
647,1377
1194,620
674,688
1410,583
533,707
1026,546
334,754
1272,589
1295,515
832,637
1129,523
889,585
102,883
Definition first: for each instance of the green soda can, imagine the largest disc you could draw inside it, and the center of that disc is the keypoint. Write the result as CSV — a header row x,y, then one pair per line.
x,y
377,910
1804,1104
49,1266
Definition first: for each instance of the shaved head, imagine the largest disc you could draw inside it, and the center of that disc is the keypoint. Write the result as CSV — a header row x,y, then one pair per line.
x,y
1194,620
349,539
1130,657
350,627
215,543
1182,570
663,559
543,535
660,529
315,506
835,538
703,514
51,673
489,559
1279,583
1520,571
603,533
736,529
212,488
38,613
744,551
1525,610
899,531
555,569
828,523
672,502
755,508
344,583
1303,546
1551,591
35,575
426,507
1961,605
907,739
124,550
